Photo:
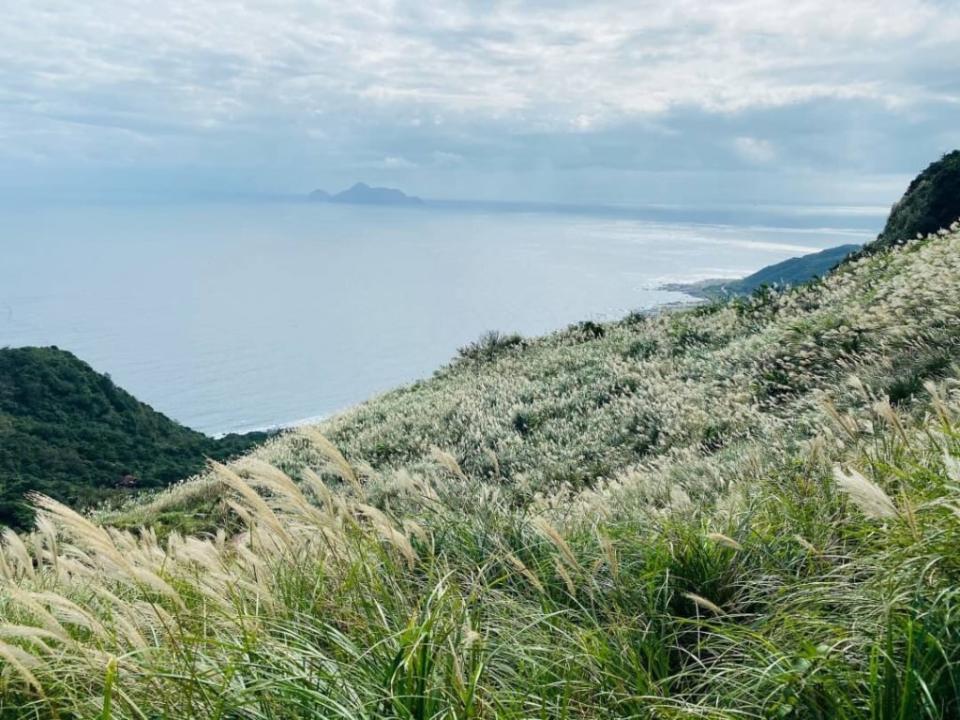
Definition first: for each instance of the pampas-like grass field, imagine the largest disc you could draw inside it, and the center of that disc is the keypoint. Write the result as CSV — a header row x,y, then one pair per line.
x,y
747,509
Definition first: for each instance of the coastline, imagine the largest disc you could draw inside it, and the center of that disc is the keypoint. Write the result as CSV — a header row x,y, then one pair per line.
x,y
279,427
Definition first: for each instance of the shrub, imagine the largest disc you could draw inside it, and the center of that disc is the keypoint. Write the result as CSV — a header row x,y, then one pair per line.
x,y
587,330
685,336
489,346
642,349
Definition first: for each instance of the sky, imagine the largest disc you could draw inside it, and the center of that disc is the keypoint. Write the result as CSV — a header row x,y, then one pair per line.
x,y
686,101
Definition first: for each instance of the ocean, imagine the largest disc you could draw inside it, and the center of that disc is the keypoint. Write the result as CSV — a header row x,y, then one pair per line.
x,y
232,316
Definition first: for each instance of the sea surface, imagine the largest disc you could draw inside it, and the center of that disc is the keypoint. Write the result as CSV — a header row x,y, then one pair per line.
x,y
231,316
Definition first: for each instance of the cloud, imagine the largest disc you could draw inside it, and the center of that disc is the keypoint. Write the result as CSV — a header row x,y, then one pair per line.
x,y
755,150
395,162
441,158
292,85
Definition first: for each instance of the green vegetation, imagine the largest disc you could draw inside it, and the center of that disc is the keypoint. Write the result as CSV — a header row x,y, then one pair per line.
x,y
746,509
706,513
489,346
789,273
932,202
70,433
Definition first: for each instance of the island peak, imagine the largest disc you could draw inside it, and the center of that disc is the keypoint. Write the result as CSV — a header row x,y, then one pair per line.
x,y
360,193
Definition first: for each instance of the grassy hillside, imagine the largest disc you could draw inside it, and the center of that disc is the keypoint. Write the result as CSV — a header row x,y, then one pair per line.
x,y
789,273
742,510
69,432
931,202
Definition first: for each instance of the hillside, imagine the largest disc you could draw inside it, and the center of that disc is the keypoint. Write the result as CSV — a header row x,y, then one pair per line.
x,y
790,272
584,406
69,432
745,509
931,202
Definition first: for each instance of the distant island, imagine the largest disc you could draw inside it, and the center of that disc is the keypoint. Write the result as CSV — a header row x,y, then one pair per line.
x,y
363,194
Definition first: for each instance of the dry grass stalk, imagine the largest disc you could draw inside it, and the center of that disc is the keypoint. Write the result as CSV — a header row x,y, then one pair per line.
x,y
561,569
447,461
21,661
610,553
15,549
259,507
520,567
543,526
334,456
866,495
724,540
884,410
702,602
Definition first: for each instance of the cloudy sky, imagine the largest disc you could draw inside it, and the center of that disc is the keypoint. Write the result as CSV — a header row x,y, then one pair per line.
x,y
807,101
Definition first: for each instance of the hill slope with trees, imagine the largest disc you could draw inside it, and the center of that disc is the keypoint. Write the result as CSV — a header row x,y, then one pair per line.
x,y
931,202
71,433
789,273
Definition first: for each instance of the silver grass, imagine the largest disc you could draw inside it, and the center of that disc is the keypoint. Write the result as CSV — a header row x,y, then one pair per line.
x,y
705,604
259,507
334,456
543,526
866,495
724,540
21,662
447,461
15,549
